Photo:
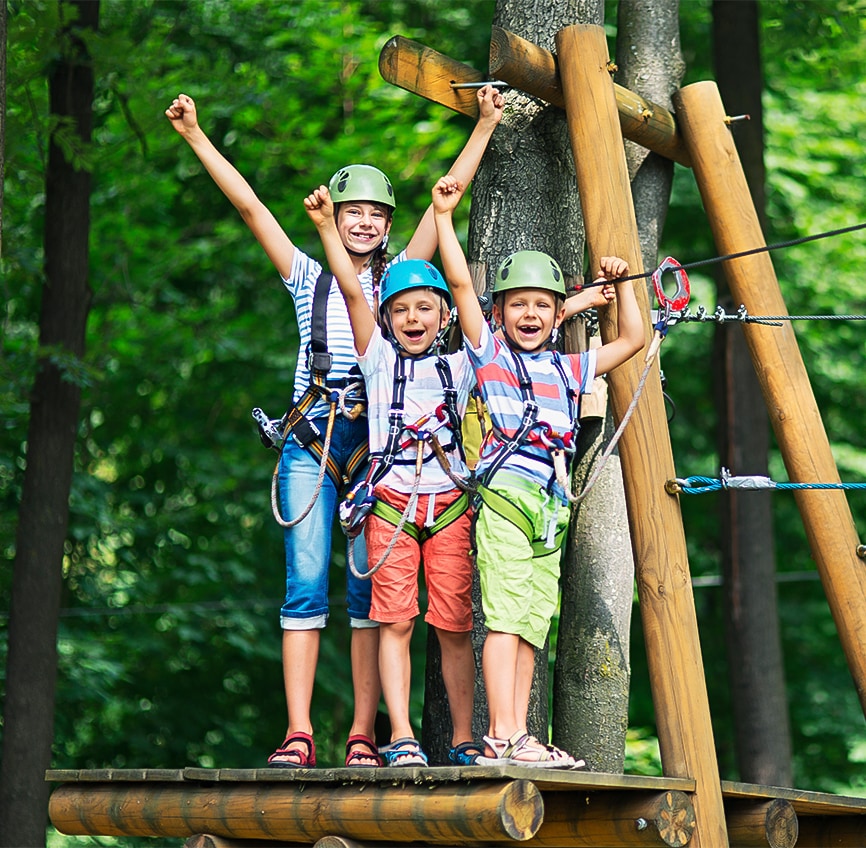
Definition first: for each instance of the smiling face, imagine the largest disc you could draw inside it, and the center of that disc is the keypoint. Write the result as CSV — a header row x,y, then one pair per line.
x,y
415,317
362,225
528,316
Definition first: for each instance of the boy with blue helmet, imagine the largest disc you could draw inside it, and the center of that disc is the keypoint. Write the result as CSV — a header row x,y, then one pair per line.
x,y
417,395
532,394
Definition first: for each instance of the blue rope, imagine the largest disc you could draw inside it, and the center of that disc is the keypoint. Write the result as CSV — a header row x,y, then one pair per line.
x,y
698,485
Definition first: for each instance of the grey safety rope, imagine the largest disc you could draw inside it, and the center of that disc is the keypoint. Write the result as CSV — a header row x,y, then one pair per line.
x,y
410,507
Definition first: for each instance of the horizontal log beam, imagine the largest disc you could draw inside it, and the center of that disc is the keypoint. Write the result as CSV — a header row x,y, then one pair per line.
x,y
615,820
761,824
837,831
416,68
435,815
532,69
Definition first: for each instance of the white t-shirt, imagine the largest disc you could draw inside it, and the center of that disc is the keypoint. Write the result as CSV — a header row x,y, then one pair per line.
x,y
423,395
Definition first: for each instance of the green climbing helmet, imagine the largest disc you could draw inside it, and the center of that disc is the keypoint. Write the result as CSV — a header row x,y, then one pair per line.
x,y
529,269
411,274
362,183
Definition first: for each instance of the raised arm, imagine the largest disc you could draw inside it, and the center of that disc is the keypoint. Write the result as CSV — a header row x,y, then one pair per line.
x,y
630,328
320,208
446,195
277,245
423,243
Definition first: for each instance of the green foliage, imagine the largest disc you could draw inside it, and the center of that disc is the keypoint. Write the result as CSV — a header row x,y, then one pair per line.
x,y
174,568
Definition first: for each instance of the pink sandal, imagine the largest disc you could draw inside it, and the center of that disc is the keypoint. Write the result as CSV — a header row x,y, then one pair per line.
x,y
286,757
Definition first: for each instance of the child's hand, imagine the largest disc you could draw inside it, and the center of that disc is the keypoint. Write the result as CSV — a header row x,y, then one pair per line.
x,y
182,114
612,268
601,295
447,193
320,206
490,104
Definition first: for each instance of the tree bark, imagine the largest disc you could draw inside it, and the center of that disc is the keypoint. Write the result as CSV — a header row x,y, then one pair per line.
x,y
31,666
525,197
3,19
756,668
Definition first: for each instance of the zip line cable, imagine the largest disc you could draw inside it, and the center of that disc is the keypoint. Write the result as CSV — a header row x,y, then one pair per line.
x,y
763,249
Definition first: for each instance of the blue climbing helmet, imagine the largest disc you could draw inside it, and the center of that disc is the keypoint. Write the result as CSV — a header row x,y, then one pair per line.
x,y
362,183
529,269
411,274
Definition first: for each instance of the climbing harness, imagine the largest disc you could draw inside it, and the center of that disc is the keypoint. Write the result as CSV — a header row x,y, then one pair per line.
x,y
275,432
700,485
361,501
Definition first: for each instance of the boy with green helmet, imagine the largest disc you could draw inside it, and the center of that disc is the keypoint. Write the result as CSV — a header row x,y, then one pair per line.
x,y
363,223
532,395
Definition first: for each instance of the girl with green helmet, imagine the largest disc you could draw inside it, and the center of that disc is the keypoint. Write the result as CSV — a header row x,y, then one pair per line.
x,y
532,394
366,203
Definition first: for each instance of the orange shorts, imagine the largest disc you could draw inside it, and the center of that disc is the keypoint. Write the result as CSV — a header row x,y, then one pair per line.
x,y
447,564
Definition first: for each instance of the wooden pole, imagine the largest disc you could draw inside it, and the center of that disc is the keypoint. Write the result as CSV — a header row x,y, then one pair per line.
x,y
661,560
762,824
788,395
533,69
435,815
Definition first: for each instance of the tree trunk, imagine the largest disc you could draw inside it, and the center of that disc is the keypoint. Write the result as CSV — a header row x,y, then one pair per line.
x,y
756,671
3,18
525,197
54,409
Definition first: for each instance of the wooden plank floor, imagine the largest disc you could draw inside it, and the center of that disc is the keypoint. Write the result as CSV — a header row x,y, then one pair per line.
x,y
545,779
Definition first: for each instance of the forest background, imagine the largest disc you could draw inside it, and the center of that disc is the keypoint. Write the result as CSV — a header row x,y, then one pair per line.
x,y
169,642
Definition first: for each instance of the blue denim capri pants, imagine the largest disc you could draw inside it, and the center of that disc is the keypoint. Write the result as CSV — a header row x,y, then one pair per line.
x,y
308,544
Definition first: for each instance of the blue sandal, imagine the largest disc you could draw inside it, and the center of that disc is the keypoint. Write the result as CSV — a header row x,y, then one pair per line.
x,y
465,754
403,752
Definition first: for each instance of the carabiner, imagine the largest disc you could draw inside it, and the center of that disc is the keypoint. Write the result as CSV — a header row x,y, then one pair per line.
x,y
681,298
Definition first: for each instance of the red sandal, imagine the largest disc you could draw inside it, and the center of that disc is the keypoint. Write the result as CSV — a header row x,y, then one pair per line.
x,y
286,757
368,751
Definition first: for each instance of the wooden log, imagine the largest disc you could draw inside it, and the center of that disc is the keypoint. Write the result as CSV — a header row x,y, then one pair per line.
x,y
836,831
615,820
784,381
762,824
436,815
410,65
533,69
658,538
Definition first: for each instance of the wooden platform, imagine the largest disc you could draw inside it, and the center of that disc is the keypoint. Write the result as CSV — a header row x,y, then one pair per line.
x,y
473,806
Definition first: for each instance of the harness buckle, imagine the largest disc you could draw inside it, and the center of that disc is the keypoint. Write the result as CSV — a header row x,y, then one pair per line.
x,y
319,361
